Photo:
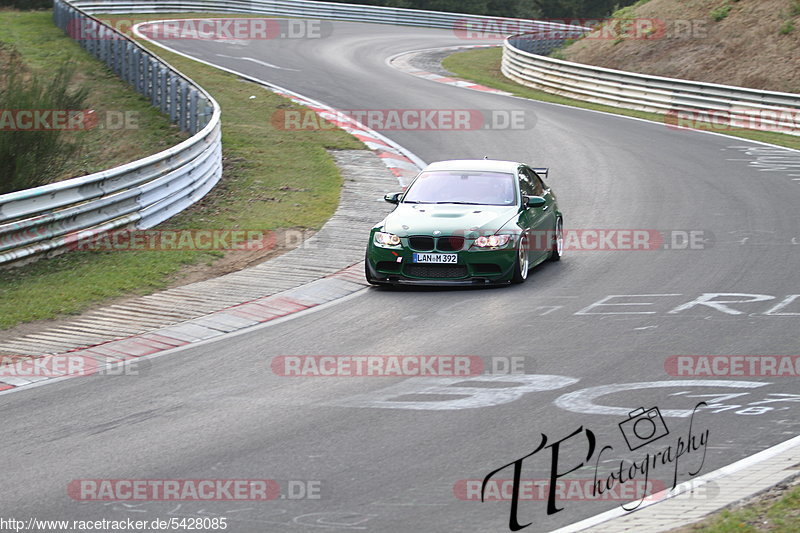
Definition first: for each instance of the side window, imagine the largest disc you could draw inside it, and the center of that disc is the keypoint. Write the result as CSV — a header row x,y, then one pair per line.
x,y
525,185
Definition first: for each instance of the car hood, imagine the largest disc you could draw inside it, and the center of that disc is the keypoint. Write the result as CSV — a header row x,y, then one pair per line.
x,y
424,219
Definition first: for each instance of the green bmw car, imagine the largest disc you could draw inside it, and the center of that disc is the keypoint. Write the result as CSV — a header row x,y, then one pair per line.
x,y
467,222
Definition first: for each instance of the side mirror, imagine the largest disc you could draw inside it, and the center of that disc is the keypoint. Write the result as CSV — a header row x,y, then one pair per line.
x,y
534,201
393,198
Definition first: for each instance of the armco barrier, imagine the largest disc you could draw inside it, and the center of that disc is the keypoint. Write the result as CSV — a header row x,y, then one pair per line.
x,y
140,194
312,9
739,106
143,193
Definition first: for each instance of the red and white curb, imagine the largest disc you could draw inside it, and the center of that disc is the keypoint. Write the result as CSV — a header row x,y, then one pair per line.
x,y
400,162
403,164
234,318
402,63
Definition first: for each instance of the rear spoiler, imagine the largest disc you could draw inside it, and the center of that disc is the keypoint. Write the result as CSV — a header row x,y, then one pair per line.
x,y
542,171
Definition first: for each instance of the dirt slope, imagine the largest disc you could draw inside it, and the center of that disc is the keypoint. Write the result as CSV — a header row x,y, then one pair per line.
x,y
757,44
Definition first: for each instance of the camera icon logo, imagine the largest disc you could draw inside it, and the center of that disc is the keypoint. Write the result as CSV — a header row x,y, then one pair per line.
x,y
643,427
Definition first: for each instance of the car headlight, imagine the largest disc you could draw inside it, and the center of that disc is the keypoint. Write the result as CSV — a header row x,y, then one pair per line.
x,y
386,239
492,241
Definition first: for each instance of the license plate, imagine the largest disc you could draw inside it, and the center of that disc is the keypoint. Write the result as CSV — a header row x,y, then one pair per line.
x,y
435,258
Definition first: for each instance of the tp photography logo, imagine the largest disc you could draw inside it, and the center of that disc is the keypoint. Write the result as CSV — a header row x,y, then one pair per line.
x,y
643,427
625,475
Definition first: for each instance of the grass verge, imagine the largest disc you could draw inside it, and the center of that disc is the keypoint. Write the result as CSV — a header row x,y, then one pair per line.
x,y
775,512
483,66
128,127
273,179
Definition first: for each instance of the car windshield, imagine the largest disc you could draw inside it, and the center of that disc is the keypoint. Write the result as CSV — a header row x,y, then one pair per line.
x,y
462,187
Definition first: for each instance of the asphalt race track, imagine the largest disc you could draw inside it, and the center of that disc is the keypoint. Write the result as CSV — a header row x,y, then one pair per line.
x,y
402,455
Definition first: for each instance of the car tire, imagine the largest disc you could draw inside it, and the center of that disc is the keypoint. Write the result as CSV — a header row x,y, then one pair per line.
x,y
522,263
557,252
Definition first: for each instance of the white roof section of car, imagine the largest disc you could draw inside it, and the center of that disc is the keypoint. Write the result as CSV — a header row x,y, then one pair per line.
x,y
475,164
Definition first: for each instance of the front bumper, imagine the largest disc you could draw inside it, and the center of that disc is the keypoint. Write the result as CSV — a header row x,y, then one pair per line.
x,y
473,267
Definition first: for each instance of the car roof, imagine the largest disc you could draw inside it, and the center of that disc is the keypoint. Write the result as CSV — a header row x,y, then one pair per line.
x,y
475,164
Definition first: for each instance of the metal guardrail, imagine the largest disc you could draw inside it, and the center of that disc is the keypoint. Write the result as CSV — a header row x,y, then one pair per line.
x,y
141,194
721,104
314,9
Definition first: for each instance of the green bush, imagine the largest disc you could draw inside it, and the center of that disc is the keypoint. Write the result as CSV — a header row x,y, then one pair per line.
x,y
32,158
787,27
721,12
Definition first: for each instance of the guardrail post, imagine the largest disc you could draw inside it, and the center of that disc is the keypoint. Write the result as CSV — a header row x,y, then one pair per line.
x,y
208,110
130,63
163,99
193,94
122,59
184,111
136,74
91,37
173,98
152,80
147,77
